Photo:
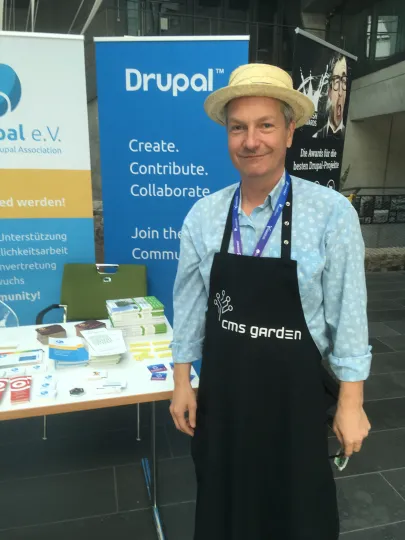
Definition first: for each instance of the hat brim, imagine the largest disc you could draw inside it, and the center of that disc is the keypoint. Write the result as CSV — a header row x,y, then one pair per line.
x,y
216,102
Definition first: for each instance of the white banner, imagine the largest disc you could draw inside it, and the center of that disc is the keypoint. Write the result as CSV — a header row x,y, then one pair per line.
x,y
45,182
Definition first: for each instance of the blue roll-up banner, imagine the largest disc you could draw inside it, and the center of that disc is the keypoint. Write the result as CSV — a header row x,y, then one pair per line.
x,y
159,151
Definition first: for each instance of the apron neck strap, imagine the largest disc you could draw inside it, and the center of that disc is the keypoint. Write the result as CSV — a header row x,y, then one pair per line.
x,y
286,227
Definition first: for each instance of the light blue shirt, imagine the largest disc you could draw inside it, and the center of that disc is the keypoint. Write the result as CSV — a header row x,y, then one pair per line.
x,y
326,243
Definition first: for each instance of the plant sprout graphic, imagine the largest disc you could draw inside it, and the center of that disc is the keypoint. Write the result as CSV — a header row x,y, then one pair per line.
x,y
308,86
223,304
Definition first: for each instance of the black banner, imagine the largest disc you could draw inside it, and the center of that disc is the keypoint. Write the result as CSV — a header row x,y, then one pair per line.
x,y
324,75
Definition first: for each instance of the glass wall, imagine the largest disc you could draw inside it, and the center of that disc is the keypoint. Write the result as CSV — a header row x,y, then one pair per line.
x,y
266,21
376,35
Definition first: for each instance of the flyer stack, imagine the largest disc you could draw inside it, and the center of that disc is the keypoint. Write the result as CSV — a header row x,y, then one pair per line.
x,y
137,317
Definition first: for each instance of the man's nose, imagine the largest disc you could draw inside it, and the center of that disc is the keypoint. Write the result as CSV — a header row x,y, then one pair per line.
x,y
251,142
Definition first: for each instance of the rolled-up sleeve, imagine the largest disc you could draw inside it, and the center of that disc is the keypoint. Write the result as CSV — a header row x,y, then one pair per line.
x,y
189,301
345,298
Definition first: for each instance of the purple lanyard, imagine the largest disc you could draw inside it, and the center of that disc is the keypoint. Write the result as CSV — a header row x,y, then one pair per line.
x,y
237,240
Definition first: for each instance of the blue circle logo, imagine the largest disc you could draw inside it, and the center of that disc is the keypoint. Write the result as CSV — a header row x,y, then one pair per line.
x,y
10,89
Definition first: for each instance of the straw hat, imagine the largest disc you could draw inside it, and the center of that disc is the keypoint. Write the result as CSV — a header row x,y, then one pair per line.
x,y
259,80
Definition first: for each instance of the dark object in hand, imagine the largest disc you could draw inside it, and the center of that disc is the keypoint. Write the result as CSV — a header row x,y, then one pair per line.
x,y
76,391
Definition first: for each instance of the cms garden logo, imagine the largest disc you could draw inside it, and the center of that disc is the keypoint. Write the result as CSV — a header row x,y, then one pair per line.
x,y
10,89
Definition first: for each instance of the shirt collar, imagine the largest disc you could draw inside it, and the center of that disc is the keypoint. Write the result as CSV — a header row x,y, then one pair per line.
x,y
339,128
272,197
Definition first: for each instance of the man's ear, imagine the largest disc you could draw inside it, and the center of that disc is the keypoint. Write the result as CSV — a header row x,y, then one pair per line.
x,y
291,130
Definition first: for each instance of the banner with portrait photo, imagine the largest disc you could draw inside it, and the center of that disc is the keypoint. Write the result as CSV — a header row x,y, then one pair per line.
x,y
323,73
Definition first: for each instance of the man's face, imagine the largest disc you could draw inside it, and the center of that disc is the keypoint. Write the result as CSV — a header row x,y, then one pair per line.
x,y
337,92
258,137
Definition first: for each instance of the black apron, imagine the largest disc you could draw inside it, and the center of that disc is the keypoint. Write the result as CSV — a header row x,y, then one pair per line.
x,y
260,446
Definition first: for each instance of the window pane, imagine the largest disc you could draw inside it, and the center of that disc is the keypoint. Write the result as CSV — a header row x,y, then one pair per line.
x,y
369,20
387,35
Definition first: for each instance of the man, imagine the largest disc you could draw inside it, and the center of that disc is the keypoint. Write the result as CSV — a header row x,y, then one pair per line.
x,y
336,99
270,280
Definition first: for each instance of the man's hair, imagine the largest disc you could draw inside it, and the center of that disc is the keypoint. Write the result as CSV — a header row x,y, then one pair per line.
x,y
336,58
286,109
289,114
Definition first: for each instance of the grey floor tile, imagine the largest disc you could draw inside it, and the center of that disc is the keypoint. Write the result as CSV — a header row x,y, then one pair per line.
x,y
391,274
104,420
389,532
386,285
367,501
379,305
398,326
21,430
386,414
390,362
397,480
132,492
382,451
179,442
93,450
398,296
387,386
55,498
397,343
94,421
379,346
383,281
178,520
379,329
389,315
176,480
386,281
128,526
163,416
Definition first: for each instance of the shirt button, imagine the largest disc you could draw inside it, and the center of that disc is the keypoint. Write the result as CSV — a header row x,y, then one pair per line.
x,y
288,203
286,223
286,242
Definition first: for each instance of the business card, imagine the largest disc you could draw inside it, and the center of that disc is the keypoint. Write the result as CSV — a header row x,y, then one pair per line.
x,y
157,368
159,376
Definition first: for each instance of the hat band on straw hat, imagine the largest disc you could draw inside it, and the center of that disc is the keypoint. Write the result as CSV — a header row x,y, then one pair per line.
x,y
259,80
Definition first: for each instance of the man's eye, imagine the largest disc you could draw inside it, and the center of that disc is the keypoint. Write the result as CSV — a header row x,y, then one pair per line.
x,y
267,125
236,128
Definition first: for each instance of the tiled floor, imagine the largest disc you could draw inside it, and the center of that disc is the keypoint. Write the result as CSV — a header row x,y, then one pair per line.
x,y
86,481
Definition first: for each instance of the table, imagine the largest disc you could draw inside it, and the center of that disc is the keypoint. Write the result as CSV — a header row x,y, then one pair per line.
x,y
140,389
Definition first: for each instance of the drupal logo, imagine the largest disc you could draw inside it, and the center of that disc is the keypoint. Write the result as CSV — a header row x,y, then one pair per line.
x,y
10,89
175,84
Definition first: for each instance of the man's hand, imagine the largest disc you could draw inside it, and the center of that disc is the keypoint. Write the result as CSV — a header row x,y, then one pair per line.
x,y
184,400
351,425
